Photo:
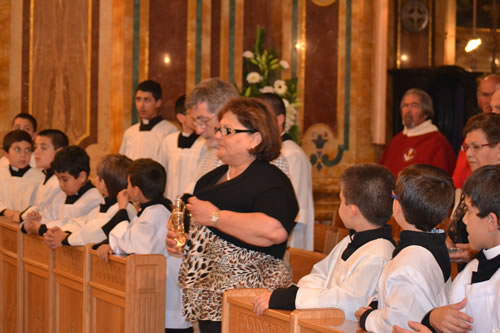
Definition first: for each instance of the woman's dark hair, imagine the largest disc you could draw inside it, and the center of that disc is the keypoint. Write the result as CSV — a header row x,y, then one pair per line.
x,y
253,114
426,195
489,123
149,176
113,170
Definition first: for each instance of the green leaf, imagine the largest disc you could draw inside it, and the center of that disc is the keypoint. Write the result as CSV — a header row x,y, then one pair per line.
x,y
248,91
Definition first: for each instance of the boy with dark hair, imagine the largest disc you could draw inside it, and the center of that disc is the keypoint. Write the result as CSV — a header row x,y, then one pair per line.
x,y
147,232
24,122
300,169
475,293
47,143
418,276
347,278
72,167
143,140
181,153
112,173
19,182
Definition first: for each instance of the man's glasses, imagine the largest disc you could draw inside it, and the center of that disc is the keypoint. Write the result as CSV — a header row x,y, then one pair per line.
x,y
224,131
475,147
202,122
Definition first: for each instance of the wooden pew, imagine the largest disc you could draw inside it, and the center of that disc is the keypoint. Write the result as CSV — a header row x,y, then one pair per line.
x,y
70,289
238,315
38,285
10,277
127,294
327,326
302,262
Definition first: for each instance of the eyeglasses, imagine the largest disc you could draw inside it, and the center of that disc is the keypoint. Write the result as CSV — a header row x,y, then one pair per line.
x,y
224,131
475,147
202,122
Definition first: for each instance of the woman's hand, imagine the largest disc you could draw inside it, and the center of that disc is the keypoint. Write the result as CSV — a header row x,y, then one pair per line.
x,y
261,303
201,210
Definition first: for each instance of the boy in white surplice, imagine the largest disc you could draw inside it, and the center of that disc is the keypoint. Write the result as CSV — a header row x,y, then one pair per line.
x,y
417,278
347,278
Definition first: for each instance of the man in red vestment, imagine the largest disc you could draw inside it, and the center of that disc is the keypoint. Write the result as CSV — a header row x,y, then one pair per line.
x,y
420,142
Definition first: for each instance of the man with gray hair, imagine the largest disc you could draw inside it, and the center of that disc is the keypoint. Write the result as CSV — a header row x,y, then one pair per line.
x,y
420,142
203,104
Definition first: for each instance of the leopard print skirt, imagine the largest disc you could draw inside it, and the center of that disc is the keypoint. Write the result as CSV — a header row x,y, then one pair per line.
x,y
212,265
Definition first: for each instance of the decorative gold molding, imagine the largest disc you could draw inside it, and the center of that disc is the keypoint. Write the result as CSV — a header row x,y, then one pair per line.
x,y
206,39
323,3
191,46
144,41
301,60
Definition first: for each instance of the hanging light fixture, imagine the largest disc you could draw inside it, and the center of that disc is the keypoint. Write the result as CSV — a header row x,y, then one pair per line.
x,y
473,43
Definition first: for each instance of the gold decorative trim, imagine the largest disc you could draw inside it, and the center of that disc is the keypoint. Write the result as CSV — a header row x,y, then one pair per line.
x,y
206,39
32,28
301,60
224,41
144,41
191,46
323,3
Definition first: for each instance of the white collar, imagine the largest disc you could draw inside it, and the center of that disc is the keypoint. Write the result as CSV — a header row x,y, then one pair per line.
x,y
424,128
492,253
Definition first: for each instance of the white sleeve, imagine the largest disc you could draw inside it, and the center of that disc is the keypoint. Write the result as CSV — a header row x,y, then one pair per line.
x,y
350,294
401,295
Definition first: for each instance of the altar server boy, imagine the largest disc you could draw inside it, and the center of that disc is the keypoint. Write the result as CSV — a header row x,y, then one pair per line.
x,y
418,276
24,122
475,293
47,143
19,182
72,167
347,277
181,153
143,140
147,232
112,173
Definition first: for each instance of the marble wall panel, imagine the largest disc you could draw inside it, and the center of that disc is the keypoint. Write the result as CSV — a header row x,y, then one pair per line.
x,y
61,76
168,38
320,92
4,63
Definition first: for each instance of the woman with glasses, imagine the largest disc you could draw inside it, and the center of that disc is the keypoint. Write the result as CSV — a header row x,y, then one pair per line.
x,y
242,213
481,147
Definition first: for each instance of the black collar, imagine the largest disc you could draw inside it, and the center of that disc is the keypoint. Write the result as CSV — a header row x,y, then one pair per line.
x,y
161,201
108,202
48,173
285,137
486,268
18,172
185,142
433,242
149,126
358,239
71,199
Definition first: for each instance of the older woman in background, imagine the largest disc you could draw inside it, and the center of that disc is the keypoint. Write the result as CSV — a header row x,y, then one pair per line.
x,y
243,212
481,147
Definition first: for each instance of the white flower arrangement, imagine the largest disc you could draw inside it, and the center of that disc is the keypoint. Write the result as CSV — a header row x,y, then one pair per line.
x,y
254,77
261,70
